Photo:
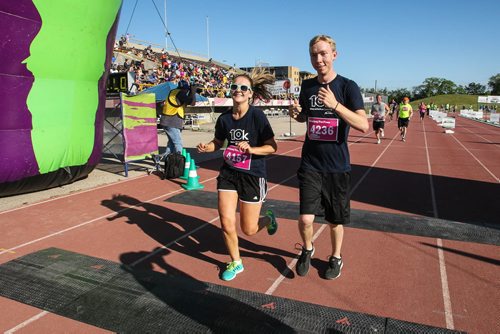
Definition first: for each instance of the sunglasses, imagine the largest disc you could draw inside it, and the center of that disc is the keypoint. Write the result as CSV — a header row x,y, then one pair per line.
x,y
243,88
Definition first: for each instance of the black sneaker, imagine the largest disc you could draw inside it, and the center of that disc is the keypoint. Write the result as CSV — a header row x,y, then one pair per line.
x,y
304,261
334,268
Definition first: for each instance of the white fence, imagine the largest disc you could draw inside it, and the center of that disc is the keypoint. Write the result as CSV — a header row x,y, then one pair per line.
x,y
448,123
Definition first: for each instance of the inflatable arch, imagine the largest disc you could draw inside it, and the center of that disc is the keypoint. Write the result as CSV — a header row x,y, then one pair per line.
x,y
54,61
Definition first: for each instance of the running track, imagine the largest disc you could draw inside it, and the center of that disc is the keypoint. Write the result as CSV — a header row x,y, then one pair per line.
x,y
432,281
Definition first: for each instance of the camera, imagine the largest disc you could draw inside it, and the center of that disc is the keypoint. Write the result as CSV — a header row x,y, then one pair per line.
x,y
197,88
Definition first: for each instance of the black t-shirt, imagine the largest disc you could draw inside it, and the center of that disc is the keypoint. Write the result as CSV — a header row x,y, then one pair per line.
x,y
325,147
254,128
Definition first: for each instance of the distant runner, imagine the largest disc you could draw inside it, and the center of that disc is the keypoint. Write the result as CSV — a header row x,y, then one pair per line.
x,y
378,112
404,115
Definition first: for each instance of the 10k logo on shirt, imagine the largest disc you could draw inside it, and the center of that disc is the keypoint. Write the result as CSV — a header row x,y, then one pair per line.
x,y
238,135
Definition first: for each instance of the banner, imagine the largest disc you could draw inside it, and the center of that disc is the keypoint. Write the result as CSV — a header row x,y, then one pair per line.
x,y
488,99
283,87
140,138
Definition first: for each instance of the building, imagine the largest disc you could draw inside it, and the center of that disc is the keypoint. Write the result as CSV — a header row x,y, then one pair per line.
x,y
283,73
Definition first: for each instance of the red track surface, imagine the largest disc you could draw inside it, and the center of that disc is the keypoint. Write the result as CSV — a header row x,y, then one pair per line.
x,y
431,281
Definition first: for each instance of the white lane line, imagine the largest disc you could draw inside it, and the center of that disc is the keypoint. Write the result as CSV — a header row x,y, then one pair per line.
x,y
491,128
444,286
92,220
431,181
489,141
97,188
42,314
442,264
26,322
482,165
373,164
292,263
72,194
10,250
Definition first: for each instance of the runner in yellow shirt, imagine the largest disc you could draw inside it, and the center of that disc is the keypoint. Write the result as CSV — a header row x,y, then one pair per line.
x,y
404,115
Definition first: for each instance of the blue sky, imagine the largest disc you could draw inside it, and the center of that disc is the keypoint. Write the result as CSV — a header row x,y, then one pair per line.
x,y
396,43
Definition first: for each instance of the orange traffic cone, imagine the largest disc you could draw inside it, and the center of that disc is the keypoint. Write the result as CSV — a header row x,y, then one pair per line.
x,y
186,167
192,183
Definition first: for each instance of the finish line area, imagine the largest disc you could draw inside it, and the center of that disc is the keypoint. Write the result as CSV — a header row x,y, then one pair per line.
x,y
112,296
145,255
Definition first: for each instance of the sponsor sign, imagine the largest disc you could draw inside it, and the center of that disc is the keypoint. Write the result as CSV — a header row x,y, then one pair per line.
x,y
488,99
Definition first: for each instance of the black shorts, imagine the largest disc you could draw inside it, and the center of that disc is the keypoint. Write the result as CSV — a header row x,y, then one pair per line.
x,y
325,194
403,122
250,188
378,125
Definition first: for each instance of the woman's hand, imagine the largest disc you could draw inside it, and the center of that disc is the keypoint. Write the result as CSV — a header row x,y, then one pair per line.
x,y
244,146
202,148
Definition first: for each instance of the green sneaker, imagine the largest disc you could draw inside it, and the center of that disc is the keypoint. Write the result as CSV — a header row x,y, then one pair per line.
x,y
232,269
273,225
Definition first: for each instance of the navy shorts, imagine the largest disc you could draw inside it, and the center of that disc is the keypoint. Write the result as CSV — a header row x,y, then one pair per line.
x,y
250,188
325,194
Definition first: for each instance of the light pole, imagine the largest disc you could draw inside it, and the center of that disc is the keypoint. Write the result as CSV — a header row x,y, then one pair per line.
x,y
166,30
208,41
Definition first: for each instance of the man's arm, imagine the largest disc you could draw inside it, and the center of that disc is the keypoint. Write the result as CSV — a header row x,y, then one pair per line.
x,y
355,118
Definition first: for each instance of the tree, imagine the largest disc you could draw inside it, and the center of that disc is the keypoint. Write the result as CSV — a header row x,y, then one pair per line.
x,y
428,88
461,90
475,89
398,94
494,84
446,87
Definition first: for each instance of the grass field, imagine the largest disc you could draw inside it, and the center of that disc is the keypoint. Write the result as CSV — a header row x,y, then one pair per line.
x,y
453,99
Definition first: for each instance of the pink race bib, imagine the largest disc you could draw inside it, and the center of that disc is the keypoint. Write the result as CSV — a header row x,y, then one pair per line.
x,y
234,157
325,129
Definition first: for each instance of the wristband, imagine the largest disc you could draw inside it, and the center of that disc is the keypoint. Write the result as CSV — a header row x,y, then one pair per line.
x,y
336,106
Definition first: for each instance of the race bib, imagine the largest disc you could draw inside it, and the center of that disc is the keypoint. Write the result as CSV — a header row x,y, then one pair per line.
x,y
325,129
234,157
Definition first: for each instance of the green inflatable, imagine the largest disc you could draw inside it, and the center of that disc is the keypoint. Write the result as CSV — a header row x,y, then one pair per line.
x,y
54,66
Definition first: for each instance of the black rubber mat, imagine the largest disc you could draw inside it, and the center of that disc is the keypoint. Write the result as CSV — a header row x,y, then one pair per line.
x,y
378,221
115,297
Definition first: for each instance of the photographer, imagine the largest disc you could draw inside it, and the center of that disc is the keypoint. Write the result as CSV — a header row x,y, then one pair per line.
x,y
172,118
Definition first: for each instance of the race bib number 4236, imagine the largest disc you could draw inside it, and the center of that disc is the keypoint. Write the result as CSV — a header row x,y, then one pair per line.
x,y
325,129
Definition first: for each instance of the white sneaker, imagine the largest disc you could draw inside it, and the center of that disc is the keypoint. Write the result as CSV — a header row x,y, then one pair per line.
x,y
378,141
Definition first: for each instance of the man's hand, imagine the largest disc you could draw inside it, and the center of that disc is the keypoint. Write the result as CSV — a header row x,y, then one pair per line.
x,y
294,109
327,97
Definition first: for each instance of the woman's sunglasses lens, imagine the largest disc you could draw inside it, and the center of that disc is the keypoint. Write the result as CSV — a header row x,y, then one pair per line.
x,y
243,88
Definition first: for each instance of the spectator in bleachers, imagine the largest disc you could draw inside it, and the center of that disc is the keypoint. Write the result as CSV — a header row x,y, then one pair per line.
x,y
213,80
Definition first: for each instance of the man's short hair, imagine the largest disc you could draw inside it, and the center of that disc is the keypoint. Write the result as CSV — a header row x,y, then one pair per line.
x,y
324,38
